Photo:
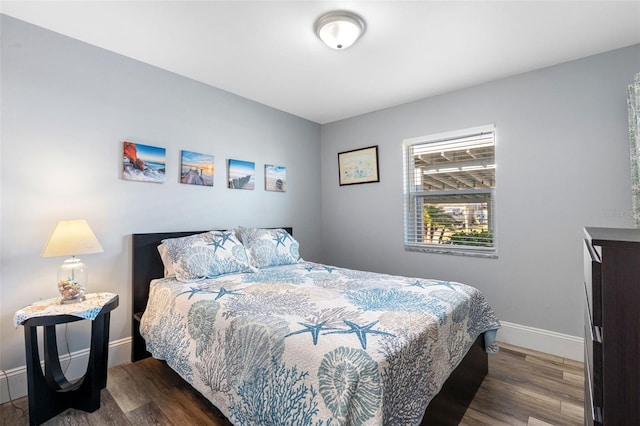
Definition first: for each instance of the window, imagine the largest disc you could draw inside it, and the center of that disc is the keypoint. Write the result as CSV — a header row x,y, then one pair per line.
x,y
449,192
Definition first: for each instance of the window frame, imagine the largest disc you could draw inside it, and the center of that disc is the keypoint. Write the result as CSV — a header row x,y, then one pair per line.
x,y
414,199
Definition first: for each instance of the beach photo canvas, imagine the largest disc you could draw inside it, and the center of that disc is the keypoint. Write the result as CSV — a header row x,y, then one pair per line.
x,y
275,178
143,162
196,168
242,174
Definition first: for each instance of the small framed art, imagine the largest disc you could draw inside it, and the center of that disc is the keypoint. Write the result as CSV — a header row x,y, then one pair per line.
x,y
242,174
275,178
143,162
196,168
358,166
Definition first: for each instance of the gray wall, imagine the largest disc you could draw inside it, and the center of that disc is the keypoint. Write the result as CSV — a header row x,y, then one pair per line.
x,y
562,158
66,109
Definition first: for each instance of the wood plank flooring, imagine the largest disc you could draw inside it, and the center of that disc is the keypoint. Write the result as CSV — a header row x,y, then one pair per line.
x,y
523,387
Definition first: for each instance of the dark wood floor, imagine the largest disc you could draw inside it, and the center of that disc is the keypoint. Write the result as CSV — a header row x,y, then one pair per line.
x,y
522,388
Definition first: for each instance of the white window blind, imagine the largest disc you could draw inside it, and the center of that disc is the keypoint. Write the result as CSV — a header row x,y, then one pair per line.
x,y
449,192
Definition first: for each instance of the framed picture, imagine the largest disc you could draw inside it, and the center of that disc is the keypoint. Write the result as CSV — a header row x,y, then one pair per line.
x,y
275,178
143,162
242,174
196,168
358,166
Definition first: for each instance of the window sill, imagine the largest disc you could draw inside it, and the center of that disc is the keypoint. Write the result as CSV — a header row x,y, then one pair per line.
x,y
455,252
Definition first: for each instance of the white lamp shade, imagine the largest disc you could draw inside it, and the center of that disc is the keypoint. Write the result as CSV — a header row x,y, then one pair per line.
x,y
339,29
70,238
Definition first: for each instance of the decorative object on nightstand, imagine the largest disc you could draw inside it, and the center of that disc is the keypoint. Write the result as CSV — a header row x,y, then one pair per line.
x,y
71,238
50,393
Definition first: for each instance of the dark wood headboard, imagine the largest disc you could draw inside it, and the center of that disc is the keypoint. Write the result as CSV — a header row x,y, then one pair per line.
x,y
146,266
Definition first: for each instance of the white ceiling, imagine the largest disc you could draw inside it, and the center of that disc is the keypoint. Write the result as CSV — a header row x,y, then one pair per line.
x,y
267,51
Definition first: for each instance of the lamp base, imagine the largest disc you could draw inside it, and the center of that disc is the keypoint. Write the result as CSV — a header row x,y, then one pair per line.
x,y
65,301
71,291
72,280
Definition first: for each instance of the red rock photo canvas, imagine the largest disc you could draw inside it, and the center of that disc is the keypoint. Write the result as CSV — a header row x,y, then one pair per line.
x,y
143,162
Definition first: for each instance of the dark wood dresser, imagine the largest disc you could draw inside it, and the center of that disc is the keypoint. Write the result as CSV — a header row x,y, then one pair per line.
x,y
612,326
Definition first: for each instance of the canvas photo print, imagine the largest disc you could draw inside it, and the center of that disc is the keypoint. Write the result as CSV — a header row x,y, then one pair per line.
x,y
196,168
242,174
143,162
275,178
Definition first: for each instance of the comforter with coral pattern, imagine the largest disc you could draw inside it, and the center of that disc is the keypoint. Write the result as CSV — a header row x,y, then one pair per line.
x,y
310,344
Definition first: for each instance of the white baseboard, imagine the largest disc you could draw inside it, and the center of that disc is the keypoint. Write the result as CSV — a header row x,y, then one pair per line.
x,y
537,339
119,352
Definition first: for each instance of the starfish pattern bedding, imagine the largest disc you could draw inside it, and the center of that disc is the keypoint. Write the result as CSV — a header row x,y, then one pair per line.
x,y
312,344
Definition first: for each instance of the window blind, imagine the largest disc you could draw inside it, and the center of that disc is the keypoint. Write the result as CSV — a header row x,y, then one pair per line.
x,y
449,191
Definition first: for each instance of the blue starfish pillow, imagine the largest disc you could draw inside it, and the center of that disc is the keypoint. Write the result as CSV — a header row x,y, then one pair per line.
x,y
269,247
207,255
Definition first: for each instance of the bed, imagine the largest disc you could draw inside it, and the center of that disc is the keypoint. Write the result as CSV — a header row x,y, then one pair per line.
x,y
287,341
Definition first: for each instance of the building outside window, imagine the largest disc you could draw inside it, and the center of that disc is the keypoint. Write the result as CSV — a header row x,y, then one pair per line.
x,y
449,192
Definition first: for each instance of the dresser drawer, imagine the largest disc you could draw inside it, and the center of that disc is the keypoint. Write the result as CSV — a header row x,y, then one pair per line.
x,y
593,363
593,282
592,417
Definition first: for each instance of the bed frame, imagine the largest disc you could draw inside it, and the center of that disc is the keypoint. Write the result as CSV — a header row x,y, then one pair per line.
x,y
446,408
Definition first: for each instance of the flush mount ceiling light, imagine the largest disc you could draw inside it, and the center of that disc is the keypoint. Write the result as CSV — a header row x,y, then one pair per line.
x,y
339,29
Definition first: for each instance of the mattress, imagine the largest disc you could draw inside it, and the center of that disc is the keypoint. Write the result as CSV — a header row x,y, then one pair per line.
x,y
313,344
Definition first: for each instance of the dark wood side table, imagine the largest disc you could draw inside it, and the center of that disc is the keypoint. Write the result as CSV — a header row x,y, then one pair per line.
x,y
50,393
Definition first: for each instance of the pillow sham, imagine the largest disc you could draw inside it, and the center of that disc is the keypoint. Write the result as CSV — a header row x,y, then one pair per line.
x,y
207,255
166,261
269,247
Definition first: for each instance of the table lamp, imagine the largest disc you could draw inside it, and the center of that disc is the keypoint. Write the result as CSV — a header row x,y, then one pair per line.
x,y
71,238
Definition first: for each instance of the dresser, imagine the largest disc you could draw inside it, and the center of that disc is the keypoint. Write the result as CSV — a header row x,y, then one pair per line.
x,y
612,326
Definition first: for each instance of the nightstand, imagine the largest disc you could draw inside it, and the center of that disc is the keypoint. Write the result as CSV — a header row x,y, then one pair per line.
x,y
50,393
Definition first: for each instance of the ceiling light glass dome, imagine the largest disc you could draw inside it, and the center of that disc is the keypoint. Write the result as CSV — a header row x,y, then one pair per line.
x,y
339,29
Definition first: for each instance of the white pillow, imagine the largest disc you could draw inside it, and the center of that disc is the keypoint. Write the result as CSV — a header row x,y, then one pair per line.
x,y
207,255
166,261
269,247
